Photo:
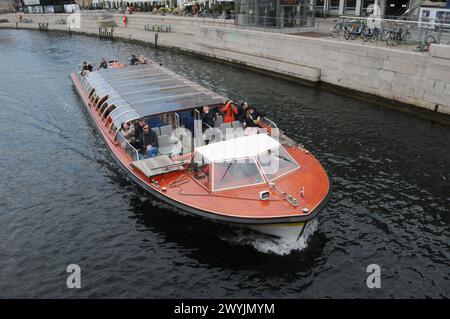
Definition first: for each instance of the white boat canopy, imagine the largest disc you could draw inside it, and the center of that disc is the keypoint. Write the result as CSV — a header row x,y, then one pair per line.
x,y
238,148
145,90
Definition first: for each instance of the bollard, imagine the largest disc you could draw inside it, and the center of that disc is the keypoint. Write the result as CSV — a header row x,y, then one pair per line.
x,y
156,40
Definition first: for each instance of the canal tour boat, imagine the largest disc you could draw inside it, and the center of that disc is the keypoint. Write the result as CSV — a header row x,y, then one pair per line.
x,y
255,177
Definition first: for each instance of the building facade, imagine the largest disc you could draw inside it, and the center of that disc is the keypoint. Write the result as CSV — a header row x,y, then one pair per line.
x,y
7,6
387,8
275,13
48,6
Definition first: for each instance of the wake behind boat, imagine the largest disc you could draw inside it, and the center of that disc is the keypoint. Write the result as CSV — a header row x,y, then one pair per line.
x,y
191,156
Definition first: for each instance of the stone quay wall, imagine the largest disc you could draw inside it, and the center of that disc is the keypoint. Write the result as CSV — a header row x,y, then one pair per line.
x,y
422,80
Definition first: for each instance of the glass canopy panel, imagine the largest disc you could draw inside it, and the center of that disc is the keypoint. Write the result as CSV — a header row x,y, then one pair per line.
x,y
151,89
106,89
158,94
93,79
276,162
125,117
120,109
154,81
236,173
117,101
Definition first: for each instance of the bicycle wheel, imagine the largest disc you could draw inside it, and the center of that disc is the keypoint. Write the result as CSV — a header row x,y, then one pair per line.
x,y
384,34
388,39
407,36
395,39
365,34
430,40
375,35
334,31
347,34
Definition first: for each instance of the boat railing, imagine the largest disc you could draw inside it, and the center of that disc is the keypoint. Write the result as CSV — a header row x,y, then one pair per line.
x,y
270,126
198,132
127,146
270,122
177,120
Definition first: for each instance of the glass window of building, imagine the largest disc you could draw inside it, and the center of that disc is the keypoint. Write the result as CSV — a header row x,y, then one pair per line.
x,y
333,6
367,7
350,7
274,13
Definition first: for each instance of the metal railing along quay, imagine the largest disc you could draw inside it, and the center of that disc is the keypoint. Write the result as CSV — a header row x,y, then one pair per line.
x,y
401,34
266,24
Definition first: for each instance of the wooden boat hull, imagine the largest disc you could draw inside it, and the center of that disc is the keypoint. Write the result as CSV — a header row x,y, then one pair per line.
x,y
290,232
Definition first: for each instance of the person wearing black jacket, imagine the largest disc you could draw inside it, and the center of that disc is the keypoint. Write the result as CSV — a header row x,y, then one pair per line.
x,y
148,142
243,111
253,118
208,118
87,67
138,128
103,64
134,60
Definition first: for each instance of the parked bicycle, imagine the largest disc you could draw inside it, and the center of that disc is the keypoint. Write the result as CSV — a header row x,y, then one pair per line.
x,y
358,29
340,28
426,42
371,34
394,37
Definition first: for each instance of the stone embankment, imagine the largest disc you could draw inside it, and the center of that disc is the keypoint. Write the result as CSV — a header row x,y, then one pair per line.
x,y
422,80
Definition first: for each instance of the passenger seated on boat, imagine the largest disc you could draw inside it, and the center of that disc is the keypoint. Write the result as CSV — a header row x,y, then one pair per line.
x,y
103,64
252,121
242,114
127,130
253,118
148,142
134,60
138,128
230,111
86,68
208,118
142,59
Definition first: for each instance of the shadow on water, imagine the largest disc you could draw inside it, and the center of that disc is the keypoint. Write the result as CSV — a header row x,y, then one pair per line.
x,y
219,245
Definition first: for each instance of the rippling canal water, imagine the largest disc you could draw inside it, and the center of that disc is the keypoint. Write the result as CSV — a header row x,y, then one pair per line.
x,y
63,200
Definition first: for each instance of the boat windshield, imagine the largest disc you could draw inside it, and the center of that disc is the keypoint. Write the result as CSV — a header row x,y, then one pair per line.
x,y
276,162
236,173
200,170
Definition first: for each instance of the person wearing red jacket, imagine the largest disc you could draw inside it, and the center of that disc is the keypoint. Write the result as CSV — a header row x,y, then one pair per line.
x,y
230,111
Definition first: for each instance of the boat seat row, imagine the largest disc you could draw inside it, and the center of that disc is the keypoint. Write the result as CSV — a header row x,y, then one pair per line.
x,y
163,130
157,165
166,145
235,125
218,121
